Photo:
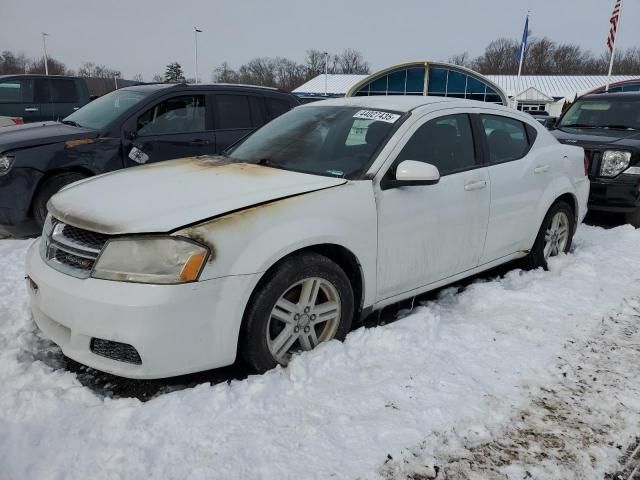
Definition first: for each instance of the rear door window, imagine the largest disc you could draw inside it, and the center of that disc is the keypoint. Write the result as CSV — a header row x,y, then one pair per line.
x,y
232,112
507,138
258,113
63,91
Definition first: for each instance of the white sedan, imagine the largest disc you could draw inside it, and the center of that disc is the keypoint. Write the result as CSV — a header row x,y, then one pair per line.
x,y
330,212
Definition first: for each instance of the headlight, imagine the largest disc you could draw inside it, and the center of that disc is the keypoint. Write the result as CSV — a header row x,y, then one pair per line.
x,y
614,162
6,162
151,260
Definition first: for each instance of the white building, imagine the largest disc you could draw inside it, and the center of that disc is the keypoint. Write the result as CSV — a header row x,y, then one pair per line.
x,y
535,92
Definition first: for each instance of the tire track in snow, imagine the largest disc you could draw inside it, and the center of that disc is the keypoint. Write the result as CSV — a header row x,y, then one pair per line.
x,y
576,428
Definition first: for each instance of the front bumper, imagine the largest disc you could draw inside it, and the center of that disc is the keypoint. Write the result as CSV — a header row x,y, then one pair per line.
x,y
176,329
620,194
16,192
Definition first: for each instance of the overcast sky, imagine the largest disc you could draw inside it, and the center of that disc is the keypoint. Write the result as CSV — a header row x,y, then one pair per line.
x,y
142,36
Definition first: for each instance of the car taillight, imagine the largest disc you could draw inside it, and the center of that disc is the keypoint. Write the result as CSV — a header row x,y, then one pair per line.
x,y
586,164
17,120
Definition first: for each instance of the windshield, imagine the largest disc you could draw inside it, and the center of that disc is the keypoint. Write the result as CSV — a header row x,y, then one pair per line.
x,y
322,140
603,113
102,111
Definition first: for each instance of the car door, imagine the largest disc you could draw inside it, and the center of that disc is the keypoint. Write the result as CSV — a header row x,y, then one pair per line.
x,y
518,180
235,116
429,233
175,127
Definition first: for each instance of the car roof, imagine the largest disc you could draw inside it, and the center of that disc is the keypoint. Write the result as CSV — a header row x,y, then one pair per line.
x,y
403,103
209,86
35,75
612,96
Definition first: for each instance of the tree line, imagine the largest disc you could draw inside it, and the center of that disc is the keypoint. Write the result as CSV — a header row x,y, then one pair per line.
x,y
12,63
544,56
288,74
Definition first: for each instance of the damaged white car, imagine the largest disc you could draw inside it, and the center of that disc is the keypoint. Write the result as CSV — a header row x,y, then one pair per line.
x,y
330,212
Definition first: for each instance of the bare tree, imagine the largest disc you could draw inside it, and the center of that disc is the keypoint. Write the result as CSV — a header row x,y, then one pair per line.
x,y
500,56
225,74
462,59
352,61
157,78
93,70
55,67
138,77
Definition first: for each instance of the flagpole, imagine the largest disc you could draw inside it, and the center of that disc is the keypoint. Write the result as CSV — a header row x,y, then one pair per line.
x,y
522,48
613,48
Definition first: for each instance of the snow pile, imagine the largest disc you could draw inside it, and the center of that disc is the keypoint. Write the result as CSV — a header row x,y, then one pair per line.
x,y
464,363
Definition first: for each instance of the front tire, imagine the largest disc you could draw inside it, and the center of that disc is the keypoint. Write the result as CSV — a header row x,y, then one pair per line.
x,y
48,189
555,236
633,218
304,301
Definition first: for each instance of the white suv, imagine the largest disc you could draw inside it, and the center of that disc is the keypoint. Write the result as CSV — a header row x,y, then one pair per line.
x,y
332,211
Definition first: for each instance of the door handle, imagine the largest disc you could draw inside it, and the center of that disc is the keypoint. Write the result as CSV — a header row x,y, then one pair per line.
x,y
475,185
199,142
541,169
31,109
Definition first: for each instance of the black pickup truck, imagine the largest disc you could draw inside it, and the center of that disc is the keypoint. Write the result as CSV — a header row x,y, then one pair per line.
x,y
37,98
125,128
607,126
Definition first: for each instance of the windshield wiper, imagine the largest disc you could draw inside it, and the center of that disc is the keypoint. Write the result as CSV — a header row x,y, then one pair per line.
x,y
72,123
620,127
578,125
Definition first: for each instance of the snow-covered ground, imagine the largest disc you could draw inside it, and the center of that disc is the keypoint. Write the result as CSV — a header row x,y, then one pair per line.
x,y
533,375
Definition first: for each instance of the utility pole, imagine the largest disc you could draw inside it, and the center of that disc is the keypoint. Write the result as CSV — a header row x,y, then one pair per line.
x,y
44,46
326,62
196,31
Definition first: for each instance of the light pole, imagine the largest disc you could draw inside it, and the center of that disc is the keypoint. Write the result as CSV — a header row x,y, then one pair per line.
x,y
115,79
326,62
196,31
44,46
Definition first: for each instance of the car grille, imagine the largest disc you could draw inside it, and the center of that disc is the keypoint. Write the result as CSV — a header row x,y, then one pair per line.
x,y
121,352
595,158
69,249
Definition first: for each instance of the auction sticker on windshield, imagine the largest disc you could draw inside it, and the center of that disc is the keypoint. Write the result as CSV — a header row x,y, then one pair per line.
x,y
377,115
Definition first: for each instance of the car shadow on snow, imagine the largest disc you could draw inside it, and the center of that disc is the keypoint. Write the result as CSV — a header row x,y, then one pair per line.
x,y
112,386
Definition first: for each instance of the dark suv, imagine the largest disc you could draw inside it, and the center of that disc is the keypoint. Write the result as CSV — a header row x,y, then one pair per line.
x,y
607,126
127,127
36,98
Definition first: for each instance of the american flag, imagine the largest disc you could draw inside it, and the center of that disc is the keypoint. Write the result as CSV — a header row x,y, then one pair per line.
x,y
615,17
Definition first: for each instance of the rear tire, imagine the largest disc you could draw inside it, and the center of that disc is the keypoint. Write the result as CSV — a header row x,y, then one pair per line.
x,y
280,320
48,189
555,236
633,218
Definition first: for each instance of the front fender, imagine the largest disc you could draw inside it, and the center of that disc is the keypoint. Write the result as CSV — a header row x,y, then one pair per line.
x,y
102,155
252,240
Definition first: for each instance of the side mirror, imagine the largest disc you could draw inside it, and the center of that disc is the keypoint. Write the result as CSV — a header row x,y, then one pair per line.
x,y
411,173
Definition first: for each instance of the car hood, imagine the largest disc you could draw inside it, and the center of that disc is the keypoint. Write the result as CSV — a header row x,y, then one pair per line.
x,y
40,133
165,196
586,137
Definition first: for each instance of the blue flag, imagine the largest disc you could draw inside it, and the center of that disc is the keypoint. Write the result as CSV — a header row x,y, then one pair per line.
x,y
525,37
